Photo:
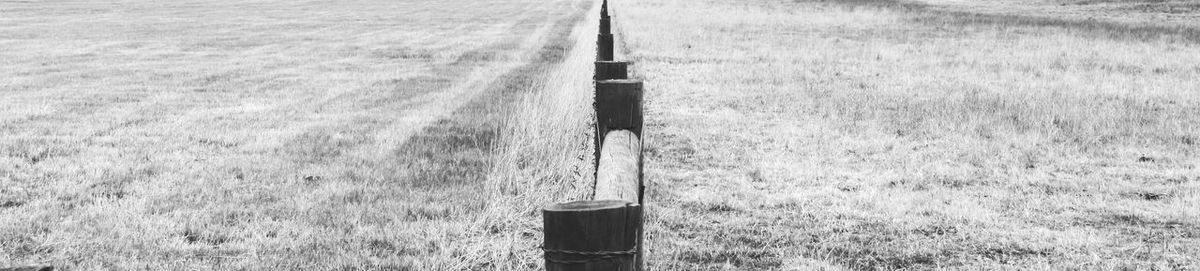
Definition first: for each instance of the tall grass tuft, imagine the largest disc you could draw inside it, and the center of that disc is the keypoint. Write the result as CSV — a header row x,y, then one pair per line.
x,y
542,157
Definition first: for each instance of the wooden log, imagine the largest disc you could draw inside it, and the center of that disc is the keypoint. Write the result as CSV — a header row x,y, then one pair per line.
x,y
604,47
592,235
619,174
619,124
618,107
618,177
605,25
607,70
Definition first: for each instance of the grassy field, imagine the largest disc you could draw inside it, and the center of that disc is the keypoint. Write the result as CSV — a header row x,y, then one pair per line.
x,y
268,134
425,135
860,134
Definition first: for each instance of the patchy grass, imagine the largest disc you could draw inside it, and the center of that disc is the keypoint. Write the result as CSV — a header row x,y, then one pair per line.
x,y
263,135
901,135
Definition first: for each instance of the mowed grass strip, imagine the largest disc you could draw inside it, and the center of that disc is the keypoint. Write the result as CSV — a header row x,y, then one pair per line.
x,y
843,135
231,135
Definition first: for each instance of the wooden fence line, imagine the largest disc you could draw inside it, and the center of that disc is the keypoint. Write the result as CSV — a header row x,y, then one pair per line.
x,y
604,40
605,233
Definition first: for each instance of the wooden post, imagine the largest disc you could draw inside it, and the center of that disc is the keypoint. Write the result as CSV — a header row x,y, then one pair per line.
x,y
619,105
606,70
605,25
604,47
592,235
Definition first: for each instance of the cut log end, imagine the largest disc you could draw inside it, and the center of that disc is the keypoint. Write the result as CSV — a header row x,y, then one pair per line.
x,y
586,205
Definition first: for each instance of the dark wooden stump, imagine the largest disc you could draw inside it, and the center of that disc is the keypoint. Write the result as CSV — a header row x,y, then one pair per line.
x,y
619,105
605,26
604,47
592,235
606,70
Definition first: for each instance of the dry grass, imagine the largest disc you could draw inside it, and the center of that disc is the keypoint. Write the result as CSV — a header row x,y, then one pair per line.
x,y
869,135
260,135
857,134
543,157
1089,13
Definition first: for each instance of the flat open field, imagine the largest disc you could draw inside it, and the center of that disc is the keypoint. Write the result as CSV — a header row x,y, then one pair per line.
x,y
281,135
860,134
426,135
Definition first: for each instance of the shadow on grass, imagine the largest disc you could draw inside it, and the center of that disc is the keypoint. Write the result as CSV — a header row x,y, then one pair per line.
x,y
456,150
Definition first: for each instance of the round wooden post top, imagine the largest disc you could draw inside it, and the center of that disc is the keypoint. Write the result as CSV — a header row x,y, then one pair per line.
x,y
619,81
587,205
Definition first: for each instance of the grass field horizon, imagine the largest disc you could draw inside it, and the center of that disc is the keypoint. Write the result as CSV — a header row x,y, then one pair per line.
x,y
427,135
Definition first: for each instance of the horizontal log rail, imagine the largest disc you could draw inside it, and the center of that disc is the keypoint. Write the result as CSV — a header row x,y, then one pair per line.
x,y
618,176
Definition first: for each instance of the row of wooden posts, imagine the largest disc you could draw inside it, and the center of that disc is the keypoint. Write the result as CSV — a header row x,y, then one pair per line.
x,y
605,233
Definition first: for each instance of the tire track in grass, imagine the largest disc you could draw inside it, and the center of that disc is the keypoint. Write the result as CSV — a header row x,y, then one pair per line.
x,y
380,105
217,233
458,145
445,162
411,106
99,105
131,109
439,167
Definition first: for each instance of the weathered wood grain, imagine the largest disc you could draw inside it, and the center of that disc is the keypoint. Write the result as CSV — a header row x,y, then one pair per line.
x,y
618,176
